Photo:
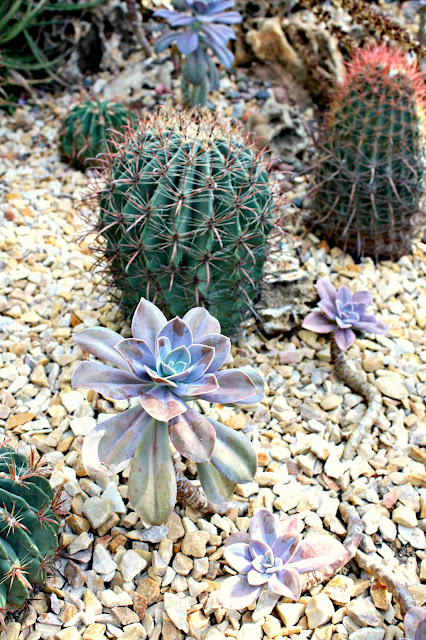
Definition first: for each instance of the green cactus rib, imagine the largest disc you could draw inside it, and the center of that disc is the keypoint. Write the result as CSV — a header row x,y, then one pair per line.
x,y
86,130
185,219
28,528
370,180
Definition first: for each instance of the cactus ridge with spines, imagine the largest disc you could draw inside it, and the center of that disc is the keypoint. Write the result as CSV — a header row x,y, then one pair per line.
x,y
370,180
185,213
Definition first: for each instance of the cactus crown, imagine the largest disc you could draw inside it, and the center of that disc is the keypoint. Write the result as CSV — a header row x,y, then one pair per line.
x,y
370,179
86,128
29,525
185,211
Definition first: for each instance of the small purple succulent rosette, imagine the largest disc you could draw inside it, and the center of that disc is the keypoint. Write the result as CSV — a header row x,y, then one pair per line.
x,y
415,624
205,25
342,311
272,555
165,365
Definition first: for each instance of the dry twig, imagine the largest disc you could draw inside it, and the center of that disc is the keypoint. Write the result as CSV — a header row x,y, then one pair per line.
x,y
355,381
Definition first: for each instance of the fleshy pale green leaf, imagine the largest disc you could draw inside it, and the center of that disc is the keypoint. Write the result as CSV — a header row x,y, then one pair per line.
x,y
216,487
233,454
152,480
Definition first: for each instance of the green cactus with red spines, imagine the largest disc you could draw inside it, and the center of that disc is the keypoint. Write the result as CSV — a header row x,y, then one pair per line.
x,y
86,129
369,182
185,212
28,527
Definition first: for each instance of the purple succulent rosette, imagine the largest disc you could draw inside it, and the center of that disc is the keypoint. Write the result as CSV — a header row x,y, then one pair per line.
x,y
165,365
415,624
205,26
272,555
342,311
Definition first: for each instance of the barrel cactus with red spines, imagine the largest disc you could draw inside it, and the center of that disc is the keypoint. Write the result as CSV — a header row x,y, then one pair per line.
x,y
186,207
370,180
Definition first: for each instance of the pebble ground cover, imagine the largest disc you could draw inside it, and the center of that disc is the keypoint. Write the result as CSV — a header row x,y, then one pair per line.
x,y
120,579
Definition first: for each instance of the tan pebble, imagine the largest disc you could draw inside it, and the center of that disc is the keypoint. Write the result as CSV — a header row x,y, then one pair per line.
x,y
38,376
92,603
405,516
339,589
68,611
94,631
391,387
319,610
380,595
330,402
170,631
290,612
140,603
77,524
150,589
19,418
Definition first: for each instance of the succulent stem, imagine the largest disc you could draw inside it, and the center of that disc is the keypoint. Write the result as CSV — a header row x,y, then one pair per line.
x,y
190,496
350,544
355,381
373,565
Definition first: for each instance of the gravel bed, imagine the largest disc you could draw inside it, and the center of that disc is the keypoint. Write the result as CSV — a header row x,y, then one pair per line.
x,y
122,579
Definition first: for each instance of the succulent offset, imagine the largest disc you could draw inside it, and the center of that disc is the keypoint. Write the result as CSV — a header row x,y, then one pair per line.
x,y
186,207
415,623
371,177
272,555
165,365
342,310
86,129
29,526
205,26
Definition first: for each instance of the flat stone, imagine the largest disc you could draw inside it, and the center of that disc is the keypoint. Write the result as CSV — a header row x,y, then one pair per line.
x,y
97,510
110,598
405,516
290,613
330,401
265,604
339,589
176,610
102,561
364,613
319,610
367,633
182,564
392,387
175,527
194,544
72,400
131,565
380,595
82,426
150,589
125,615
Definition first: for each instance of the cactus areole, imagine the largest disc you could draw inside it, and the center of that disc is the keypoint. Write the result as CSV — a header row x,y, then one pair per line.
x,y
185,212
370,180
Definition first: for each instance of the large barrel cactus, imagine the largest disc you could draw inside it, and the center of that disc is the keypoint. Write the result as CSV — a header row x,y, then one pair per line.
x,y
85,130
28,527
371,176
185,212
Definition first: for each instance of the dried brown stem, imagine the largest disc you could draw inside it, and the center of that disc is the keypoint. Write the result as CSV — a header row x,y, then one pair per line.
x,y
135,20
351,544
190,496
355,381
373,565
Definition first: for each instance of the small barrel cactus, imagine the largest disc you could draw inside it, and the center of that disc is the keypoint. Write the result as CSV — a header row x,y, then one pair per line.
x,y
185,212
370,180
85,130
28,527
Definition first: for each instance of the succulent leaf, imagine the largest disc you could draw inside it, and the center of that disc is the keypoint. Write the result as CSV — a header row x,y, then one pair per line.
x,y
216,486
152,480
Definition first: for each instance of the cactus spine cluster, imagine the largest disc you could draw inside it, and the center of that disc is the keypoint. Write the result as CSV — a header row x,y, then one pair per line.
x,y
185,212
28,527
369,183
85,130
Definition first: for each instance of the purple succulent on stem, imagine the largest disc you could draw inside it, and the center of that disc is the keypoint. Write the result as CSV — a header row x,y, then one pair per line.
x,y
165,365
342,311
207,25
272,555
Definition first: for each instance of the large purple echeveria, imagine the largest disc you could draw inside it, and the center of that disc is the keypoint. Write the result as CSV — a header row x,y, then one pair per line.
x,y
415,624
272,555
205,26
341,311
164,365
